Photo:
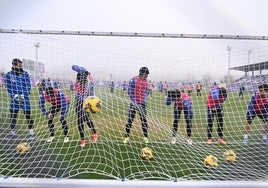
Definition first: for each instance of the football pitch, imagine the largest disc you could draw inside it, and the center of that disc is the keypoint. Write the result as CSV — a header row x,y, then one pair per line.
x,y
109,158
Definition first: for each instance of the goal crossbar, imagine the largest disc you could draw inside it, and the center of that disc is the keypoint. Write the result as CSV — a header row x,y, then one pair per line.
x,y
125,34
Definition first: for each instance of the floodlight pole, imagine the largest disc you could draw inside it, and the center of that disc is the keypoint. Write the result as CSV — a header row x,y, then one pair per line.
x,y
249,52
229,49
37,45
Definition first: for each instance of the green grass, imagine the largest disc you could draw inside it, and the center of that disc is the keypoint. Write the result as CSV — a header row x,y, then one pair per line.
x,y
111,159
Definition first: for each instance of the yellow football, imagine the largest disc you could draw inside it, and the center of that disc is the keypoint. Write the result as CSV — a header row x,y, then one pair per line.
x,y
211,161
23,148
92,104
146,153
229,156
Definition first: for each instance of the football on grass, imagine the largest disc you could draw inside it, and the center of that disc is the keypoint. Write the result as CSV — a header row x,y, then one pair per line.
x,y
229,156
211,161
146,153
23,148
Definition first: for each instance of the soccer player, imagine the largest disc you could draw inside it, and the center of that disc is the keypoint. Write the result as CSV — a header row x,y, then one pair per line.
x,y
43,86
198,88
182,87
81,93
48,83
215,100
19,86
182,103
258,106
112,86
138,93
160,86
150,87
124,86
59,102
190,88
165,87
241,92
56,84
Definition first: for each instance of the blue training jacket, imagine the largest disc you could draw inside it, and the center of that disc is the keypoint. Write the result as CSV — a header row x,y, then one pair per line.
x,y
19,84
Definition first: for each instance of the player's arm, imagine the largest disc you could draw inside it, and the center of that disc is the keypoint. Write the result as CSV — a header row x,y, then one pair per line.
x,y
42,104
9,85
187,107
251,105
265,115
169,98
215,94
168,101
64,104
27,84
131,90
146,91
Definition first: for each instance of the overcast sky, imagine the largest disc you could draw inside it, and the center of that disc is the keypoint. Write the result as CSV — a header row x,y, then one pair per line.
x,y
227,17
243,17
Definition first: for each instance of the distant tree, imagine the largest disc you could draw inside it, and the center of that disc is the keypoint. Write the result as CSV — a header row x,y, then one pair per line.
x,y
227,79
206,80
2,73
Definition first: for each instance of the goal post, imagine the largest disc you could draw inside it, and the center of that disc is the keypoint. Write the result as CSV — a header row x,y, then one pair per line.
x,y
175,59
83,183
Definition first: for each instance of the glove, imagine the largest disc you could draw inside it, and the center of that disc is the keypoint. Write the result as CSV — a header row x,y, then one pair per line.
x,y
211,110
218,106
19,99
61,118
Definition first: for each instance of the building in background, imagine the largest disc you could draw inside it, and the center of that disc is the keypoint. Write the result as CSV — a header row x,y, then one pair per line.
x,y
36,71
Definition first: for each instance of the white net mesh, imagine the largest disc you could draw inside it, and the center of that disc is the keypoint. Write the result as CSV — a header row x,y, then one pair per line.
x,y
116,58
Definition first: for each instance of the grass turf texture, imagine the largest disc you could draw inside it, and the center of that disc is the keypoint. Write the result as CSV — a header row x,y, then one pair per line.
x,y
111,159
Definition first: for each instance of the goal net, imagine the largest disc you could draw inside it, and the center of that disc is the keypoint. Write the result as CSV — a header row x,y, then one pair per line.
x,y
117,57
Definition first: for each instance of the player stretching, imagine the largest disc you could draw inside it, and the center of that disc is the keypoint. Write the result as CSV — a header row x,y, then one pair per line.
x,y
215,100
258,106
59,102
138,93
82,92
182,102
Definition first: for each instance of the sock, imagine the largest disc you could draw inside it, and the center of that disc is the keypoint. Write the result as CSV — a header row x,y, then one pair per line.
x,y
246,136
13,132
264,136
31,132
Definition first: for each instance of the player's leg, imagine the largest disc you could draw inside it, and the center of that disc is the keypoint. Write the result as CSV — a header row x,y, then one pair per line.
x,y
188,120
80,121
265,128
247,127
63,121
219,115
13,122
131,116
176,119
65,129
90,124
144,123
198,92
210,117
30,121
64,126
265,132
51,114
